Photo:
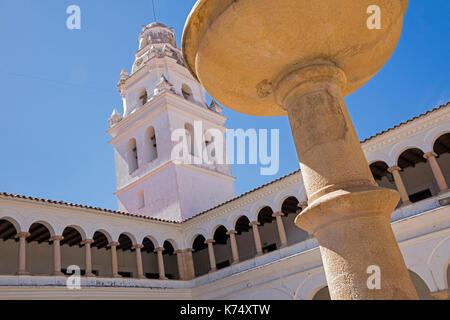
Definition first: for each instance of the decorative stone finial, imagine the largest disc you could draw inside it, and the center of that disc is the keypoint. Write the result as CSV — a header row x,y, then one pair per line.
x,y
163,86
115,118
214,106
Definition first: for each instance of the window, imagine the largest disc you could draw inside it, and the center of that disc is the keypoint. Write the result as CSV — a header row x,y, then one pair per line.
x,y
190,138
223,264
152,148
132,156
143,97
270,248
187,92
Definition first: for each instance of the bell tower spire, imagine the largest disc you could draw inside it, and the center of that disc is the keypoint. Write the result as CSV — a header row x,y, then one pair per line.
x,y
160,100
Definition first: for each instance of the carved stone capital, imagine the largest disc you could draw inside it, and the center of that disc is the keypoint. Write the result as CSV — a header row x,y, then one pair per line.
x,y
430,155
56,238
210,241
87,241
254,223
22,235
231,232
394,168
159,250
138,246
114,244
278,214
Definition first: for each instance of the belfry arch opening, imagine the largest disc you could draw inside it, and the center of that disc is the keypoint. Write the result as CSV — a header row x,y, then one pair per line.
x,y
132,156
152,147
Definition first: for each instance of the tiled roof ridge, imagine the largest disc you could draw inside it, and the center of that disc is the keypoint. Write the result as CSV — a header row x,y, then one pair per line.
x,y
407,121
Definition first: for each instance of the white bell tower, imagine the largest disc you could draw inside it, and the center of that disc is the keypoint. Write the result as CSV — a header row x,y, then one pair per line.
x,y
160,97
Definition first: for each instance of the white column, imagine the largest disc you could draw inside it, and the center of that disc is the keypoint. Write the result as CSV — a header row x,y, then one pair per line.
x,y
400,185
256,236
437,172
212,257
114,264
22,253
234,247
281,229
139,266
162,271
88,258
57,255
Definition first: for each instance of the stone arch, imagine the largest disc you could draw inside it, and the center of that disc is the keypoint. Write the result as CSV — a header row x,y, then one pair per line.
x,y
8,246
421,286
46,224
39,249
72,252
222,247
170,260
244,238
291,210
105,233
438,262
314,281
200,256
436,137
149,257
14,222
416,174
441,146
79,229
197,233
382,176
131,236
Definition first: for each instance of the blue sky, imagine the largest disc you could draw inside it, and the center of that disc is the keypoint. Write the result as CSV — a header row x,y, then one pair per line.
x,y
58,88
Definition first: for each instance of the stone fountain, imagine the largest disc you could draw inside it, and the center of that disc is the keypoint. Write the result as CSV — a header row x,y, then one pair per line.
x,y
301,58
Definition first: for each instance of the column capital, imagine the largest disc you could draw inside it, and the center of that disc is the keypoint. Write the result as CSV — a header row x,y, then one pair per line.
x,y
87,241
231,232
278,214
429,155
303,204
212,241
254,223
183,250
22,235
159,249
394,168
138,246
56,238
114,244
